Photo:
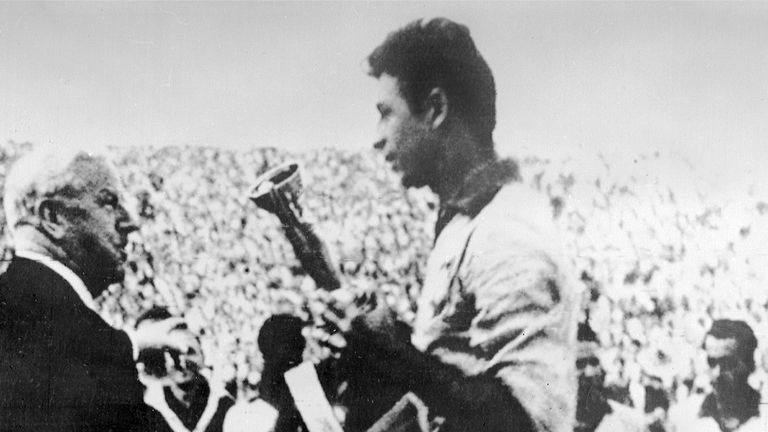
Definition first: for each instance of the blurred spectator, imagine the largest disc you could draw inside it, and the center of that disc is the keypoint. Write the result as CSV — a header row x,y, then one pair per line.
x,y
595,412
282,344
732,405
177,387
656,404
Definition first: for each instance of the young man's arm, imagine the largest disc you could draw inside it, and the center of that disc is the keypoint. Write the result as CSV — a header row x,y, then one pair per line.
x,y
475,403
310,249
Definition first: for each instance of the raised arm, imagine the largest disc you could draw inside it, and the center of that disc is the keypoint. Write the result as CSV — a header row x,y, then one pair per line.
x,y
310,250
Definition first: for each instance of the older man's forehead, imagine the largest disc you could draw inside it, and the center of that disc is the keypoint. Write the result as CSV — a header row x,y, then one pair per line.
x,y
95,173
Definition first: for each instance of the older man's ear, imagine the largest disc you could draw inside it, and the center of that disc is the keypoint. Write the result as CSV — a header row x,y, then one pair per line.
x,y
50,219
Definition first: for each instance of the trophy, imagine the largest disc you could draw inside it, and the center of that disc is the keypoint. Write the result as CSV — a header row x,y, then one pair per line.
x,y
281,181
277,191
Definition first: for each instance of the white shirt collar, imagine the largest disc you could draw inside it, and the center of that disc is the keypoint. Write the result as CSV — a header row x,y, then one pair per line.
x,y
74,280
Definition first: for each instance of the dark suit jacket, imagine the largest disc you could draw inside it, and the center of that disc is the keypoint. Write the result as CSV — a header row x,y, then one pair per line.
x,y
61,366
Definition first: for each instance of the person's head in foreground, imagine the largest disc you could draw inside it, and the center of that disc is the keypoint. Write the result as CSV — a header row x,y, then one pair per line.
x,y
169,365
281,341
68,205
437,102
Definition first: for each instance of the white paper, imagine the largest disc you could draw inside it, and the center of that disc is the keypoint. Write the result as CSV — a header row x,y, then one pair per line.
x,y
310,399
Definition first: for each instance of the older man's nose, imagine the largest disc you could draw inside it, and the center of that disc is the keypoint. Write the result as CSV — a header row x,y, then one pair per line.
x,y
127,228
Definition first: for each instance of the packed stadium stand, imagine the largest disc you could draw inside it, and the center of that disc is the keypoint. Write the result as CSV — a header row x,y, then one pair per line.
x,y
657,257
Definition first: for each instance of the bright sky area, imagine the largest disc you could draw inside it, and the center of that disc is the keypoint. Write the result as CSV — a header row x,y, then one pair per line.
x,y
618,78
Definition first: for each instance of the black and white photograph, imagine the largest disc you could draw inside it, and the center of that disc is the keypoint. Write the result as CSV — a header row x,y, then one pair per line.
x,y
383,216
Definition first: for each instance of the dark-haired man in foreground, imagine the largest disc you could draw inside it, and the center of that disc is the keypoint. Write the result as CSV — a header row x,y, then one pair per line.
x,y
492,347
733,405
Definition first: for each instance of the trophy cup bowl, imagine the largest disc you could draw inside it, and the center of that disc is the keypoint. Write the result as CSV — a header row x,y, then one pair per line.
x,y
285,178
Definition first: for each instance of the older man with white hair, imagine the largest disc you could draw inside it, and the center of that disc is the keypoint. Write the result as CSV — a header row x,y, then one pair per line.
x,y
62,367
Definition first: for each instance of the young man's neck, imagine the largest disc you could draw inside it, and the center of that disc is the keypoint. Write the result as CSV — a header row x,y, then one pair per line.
x,y
464,155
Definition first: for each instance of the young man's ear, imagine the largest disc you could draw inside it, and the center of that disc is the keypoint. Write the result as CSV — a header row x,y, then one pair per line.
x,y
50,218
437,107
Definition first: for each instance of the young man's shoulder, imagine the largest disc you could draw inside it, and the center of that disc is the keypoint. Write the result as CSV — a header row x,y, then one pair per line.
x,y
518,220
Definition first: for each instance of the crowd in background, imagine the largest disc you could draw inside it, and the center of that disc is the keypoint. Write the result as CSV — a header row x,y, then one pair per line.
x,y
658,258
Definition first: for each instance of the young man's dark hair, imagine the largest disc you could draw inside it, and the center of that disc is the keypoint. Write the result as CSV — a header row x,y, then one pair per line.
x,y
440,53
746,341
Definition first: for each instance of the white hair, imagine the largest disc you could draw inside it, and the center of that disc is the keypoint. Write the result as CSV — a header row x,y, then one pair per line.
x,y
45,172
